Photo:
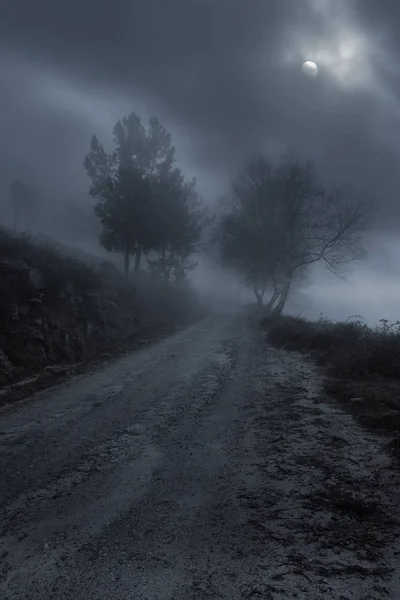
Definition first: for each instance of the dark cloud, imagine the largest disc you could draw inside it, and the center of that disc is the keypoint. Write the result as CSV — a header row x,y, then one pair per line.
x,y
224,72
381,17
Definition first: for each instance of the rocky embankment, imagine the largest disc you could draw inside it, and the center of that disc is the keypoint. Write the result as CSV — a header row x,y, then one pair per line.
x,y
57,310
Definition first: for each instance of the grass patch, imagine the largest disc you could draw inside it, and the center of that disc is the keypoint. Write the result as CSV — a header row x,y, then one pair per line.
x,y
350,349
362,365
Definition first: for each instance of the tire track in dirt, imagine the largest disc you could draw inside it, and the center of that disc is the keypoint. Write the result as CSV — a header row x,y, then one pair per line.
x,y
208,466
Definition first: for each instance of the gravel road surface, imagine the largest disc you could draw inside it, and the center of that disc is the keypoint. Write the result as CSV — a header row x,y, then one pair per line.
x,y
207,466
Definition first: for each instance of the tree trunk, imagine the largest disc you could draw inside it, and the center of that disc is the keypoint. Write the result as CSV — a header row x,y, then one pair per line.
x,y
259,295
126,262
282,300
271,302
259,291
138,257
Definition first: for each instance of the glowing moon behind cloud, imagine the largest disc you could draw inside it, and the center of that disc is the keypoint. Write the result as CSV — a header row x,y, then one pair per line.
x,y
309,68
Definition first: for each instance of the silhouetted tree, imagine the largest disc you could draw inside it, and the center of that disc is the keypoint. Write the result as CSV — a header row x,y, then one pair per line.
x,y
179,222
280,220
121,189
142,199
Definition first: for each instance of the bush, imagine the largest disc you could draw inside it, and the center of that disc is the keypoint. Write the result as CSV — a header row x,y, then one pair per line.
x,y
349,349
362,364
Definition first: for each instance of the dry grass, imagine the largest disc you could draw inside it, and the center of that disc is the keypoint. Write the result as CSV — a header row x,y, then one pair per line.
x,y
362,365
350,349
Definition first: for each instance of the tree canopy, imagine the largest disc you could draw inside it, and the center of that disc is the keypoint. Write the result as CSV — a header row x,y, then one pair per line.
x,y
142,199
279,220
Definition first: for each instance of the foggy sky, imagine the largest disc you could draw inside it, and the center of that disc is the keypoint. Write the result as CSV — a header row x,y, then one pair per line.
x,y
223,75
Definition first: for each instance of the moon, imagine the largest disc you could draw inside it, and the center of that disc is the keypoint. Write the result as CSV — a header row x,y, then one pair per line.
x,y
310,68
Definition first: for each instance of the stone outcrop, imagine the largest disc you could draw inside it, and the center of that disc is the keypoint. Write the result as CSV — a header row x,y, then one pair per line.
x,y
57,310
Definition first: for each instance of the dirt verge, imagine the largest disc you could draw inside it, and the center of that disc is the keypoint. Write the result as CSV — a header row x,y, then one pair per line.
x,y
362,367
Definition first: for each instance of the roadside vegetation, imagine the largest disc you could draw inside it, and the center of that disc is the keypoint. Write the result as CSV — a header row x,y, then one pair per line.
x,y
362,365
276,221
56,310
146,206
59,313
279,219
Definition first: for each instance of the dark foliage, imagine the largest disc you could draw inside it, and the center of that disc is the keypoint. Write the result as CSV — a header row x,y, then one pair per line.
x,y
362,366
350,349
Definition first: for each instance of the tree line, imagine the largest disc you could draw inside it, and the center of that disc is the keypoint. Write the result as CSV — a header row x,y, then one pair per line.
x,y
276,221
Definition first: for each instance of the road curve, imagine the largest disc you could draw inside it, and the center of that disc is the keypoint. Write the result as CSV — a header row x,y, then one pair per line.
x,y
206,466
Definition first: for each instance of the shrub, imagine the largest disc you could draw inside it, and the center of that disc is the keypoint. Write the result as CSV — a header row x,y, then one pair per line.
x,y
349,349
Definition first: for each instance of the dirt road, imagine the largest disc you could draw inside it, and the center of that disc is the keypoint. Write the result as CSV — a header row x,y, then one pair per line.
x,y
207,466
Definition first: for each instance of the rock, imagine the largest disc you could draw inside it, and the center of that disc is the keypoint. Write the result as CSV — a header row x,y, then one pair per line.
x,y
6,367
24,308
109,304
57,369
11,267
14,312
36,279
94,298
93,294
70,290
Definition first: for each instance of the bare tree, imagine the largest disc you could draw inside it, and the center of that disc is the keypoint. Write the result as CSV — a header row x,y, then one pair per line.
x,y
245,231
281,220
314,224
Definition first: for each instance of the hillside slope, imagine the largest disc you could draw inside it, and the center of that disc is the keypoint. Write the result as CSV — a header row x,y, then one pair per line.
x,y
56,309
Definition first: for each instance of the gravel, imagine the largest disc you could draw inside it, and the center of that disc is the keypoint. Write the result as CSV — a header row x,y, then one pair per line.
x,y
209,465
